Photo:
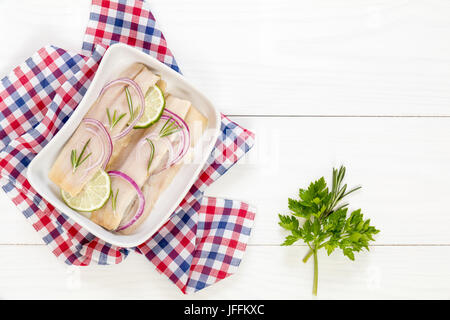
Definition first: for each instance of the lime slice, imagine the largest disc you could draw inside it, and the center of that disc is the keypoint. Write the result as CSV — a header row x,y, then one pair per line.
x,y
93,196
154,107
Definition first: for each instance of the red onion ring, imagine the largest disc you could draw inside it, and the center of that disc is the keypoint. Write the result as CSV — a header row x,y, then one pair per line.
x,y
141,198
167,142
186,135
170,148
106,139
139,92
183,145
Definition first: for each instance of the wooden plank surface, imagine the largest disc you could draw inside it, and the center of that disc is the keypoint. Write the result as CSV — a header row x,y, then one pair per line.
x,y
400,163
316,58
279,57
322,83
386,273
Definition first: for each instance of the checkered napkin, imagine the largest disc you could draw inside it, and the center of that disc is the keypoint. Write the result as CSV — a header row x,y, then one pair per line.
x,y
205,238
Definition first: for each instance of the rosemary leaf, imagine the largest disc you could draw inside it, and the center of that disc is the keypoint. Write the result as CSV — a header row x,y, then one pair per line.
x,y
73,158
114,200
152,153
168,128
109,116
78,160
130,103
81,161
114,119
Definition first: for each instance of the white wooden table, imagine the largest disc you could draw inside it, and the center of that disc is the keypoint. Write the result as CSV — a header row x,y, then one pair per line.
x,y
321,83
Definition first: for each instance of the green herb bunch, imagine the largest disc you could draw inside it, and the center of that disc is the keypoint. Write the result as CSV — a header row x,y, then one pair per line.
x,y
327,224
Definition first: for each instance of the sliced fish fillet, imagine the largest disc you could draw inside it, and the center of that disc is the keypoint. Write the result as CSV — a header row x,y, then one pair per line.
x,y
133,161
61,172
157,184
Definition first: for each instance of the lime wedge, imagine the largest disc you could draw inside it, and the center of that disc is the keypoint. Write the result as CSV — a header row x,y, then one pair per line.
x,y
154,107
93,196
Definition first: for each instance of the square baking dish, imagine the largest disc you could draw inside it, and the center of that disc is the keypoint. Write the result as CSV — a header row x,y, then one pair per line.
x,y
116,59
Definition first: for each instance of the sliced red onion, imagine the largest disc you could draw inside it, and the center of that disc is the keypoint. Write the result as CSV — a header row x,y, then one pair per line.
x,y
183,146
180,121
107,145
185,135
139,92
169,146
141,198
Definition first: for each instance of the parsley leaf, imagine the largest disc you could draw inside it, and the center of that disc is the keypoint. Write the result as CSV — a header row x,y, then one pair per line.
x,y
327,223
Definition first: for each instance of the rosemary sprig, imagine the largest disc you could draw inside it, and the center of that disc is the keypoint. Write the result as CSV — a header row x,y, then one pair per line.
x,y
114,200
169,128
152,153
130,104
78,160
114,119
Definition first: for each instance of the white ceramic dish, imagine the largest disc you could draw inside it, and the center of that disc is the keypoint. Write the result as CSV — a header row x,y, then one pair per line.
x,y
116,59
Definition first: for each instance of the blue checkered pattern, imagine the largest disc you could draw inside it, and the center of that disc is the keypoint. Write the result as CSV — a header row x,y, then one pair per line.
x,y
130,22
46,76
204,240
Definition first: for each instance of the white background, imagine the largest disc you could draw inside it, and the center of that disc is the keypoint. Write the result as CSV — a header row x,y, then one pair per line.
x,y
321,83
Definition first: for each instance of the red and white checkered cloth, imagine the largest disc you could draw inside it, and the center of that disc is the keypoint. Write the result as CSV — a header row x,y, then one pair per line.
x,y
205,238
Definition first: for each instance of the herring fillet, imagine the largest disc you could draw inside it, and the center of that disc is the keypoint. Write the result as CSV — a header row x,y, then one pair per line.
x,y
132,137
115,99
133,162
61,172
157,184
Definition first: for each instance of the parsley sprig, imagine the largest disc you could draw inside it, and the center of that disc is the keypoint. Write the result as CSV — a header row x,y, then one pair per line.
x,y
327,225
77,160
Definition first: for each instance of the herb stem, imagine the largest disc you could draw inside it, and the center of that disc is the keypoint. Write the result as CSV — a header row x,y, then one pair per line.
x,y
308,255
316,272
313,251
